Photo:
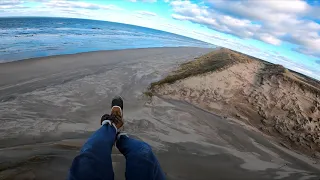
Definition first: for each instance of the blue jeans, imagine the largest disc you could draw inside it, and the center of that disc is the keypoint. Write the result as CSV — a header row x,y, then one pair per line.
x,y
94,161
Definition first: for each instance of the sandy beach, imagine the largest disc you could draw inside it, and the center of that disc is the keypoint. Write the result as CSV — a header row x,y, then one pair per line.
x,y
50,106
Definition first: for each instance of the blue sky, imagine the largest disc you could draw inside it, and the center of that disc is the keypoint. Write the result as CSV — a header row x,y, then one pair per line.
x,y
280,31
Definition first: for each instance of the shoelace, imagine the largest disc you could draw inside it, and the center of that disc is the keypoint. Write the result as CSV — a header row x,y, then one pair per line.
x,y
115,119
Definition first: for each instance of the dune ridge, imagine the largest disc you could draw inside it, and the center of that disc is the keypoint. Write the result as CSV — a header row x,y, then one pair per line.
x,y
277,101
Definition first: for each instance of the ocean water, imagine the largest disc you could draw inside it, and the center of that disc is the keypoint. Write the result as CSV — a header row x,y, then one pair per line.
x,y
23,38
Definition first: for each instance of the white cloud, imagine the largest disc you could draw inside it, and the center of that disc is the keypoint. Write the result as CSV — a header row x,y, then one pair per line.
x,y
61,8
80,5
185,10
268,21
292,6
309,41
12,4
269,39
262,10
146,13
13,7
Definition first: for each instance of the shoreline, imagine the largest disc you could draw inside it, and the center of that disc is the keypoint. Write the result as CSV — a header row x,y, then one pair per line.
x,y
97,51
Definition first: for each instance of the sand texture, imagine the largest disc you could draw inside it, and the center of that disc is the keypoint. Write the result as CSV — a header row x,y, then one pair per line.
x,y
50,106
277,101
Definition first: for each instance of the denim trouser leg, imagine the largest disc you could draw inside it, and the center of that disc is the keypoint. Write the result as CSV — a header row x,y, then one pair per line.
x,y
94,161
141,163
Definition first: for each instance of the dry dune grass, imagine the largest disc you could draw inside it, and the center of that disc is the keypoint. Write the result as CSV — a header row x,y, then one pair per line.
x,y
214,61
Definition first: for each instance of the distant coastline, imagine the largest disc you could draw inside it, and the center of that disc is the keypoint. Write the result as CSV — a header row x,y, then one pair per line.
x,y
34,37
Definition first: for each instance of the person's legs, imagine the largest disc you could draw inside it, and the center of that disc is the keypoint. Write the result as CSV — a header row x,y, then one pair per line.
x,y
141,163
94,161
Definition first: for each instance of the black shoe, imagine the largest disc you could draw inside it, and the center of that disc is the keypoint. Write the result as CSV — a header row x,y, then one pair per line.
x,y
117,101
116,112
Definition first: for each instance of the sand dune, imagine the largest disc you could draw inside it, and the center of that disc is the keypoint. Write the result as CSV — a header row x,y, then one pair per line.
x,y
277,101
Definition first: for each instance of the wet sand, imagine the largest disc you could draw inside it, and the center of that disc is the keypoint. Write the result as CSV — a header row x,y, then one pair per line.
x,y
49,106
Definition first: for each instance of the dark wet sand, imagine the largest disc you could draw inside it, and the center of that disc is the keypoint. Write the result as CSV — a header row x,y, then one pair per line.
x,y
49,106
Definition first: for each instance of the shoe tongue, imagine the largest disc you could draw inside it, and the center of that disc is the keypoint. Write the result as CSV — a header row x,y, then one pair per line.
x,y
117,108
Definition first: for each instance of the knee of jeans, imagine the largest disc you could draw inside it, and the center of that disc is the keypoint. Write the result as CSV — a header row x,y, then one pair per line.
x,y
145,150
